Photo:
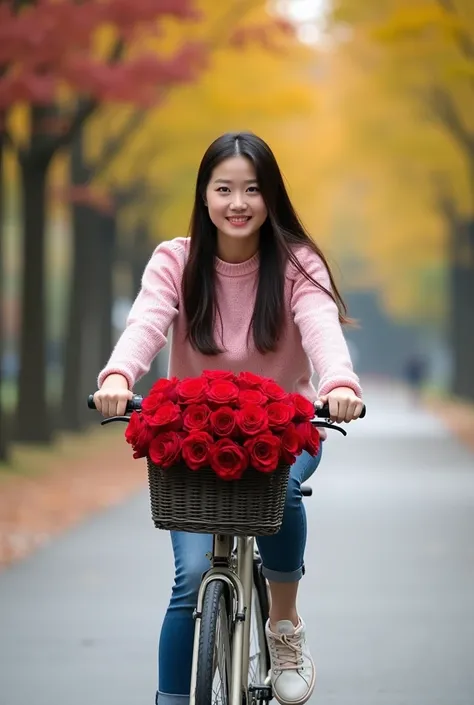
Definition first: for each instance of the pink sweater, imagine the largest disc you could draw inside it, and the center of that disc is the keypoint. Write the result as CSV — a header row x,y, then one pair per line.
x,y
313,339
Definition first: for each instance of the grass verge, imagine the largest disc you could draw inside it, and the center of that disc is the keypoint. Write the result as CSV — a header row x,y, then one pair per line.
x,y
456,414
46,490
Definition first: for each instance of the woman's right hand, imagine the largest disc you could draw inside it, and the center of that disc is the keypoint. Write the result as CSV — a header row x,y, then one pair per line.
x,y
112,397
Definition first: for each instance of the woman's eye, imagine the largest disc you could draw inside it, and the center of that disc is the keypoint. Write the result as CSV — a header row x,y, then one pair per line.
x,y
226,189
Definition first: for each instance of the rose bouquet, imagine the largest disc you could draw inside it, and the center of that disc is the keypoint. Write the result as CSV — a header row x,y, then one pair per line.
x,y
223,421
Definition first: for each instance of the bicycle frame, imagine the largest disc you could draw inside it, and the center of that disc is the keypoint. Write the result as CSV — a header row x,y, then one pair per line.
x,y
241,582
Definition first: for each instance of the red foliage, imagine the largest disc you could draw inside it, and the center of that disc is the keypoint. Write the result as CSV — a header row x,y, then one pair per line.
x,y
49,43
265,35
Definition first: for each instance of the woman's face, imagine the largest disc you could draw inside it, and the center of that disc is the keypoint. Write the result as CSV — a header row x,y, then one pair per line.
x,y
233,198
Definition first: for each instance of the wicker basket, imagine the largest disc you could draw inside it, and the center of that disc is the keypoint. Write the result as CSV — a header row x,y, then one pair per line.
x,y
200,502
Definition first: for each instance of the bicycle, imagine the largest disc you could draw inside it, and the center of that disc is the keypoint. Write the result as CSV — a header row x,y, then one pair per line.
x,y
231,662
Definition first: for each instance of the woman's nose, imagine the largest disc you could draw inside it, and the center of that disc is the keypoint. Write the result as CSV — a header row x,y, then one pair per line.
x,y
238,203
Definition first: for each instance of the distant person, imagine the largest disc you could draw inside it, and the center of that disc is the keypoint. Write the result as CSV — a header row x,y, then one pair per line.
x,y
248,291
415,375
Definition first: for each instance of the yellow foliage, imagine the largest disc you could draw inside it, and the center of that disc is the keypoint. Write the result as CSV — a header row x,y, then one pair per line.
x,y
392,76
354,128
251,88
417,21
18,124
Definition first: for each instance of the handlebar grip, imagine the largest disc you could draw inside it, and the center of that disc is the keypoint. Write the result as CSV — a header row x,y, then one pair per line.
x,y
323,412
133,404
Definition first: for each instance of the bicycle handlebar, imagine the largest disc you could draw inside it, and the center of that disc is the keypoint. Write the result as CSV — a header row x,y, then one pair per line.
x,y
135,404
323,412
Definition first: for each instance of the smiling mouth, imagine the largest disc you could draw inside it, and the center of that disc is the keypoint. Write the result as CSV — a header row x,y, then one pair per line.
x,y
239,220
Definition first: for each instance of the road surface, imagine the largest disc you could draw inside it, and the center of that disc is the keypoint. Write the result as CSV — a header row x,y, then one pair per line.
x,y
388,597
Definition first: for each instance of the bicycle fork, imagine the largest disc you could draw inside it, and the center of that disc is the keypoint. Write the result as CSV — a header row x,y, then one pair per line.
x,y
241,586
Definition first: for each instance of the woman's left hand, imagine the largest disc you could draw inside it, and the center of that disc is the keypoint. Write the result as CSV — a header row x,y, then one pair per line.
x,y
344,404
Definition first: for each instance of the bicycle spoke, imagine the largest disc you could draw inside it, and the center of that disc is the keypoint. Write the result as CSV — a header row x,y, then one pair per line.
x,y
221,666
257,661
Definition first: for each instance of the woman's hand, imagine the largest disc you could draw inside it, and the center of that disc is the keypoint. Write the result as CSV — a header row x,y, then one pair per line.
x,y
112,397
344,404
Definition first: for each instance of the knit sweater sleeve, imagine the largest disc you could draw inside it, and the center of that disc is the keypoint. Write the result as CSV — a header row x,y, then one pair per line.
x,y
151,315
316,315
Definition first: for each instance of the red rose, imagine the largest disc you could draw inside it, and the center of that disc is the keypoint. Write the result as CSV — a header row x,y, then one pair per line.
x,y
167,417
252,396
192,390
304,409
166,387
273,391
196,417
247,380
264,451
228,460
291,444
252,419
223,421
165,449
139,434
195,449
218,375
279,415
310,436
151,403
222,392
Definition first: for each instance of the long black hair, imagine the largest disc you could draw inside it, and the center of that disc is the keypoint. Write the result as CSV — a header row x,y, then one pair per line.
x,y
281,231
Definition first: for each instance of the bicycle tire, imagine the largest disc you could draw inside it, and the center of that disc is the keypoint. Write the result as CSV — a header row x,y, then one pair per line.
x,y
260,615
215,640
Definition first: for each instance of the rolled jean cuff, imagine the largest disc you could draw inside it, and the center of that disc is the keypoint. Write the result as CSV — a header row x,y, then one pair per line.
x,y
168,699
277,576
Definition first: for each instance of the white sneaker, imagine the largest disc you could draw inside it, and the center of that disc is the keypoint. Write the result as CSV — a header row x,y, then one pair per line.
x,y
293,674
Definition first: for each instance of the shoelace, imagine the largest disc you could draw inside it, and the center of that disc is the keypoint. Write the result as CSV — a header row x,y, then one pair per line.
x,y
288,651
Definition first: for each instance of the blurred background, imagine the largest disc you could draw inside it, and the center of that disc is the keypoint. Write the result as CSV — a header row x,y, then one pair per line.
x,y
105,111
106,108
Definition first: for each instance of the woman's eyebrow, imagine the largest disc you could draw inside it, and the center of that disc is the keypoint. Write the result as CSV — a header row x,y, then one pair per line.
x,y
229,181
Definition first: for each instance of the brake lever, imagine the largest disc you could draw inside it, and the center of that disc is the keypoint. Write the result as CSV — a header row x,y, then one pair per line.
x,y
330,425
318,424
111,419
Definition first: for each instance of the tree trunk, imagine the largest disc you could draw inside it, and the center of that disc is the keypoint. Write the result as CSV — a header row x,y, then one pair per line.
x,y
462,310
86,321
140,254
89,337
3,436
105,294
96,336
73,404
33,423
141,250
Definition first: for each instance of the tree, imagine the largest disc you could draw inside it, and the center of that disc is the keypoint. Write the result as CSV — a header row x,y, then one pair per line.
x,y
92,275
90,48
425,56
3,440
274,99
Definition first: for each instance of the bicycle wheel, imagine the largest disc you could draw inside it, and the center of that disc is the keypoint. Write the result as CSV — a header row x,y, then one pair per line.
x,y
214,658
259,658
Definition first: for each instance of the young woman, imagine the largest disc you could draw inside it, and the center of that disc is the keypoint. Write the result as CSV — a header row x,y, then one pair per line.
x,y
248,290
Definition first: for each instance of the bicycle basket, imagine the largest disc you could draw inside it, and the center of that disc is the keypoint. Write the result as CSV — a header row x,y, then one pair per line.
x,y
201,502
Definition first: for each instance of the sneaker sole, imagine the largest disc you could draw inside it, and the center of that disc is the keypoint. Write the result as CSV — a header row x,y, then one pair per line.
x,y
303,700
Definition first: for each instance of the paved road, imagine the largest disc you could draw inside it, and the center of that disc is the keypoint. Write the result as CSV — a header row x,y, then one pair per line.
x,y
388,596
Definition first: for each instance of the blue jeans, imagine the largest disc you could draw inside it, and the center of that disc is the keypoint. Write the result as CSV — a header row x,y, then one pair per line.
x,y
282,558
